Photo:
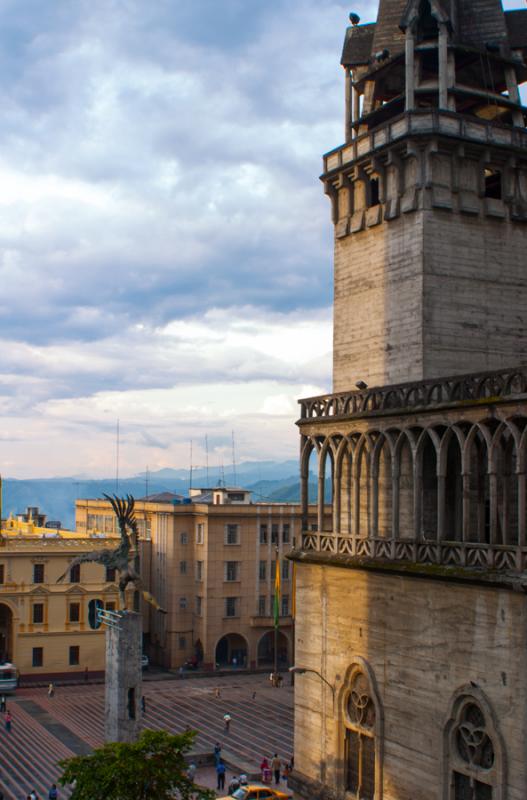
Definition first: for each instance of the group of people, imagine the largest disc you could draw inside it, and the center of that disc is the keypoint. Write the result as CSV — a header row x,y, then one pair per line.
x,y
52,794
275,768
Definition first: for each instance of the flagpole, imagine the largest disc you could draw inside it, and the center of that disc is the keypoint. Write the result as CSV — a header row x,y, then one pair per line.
x,y
276,615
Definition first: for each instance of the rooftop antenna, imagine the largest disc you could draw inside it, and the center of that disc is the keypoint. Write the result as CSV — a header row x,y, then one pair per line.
x,y
207,457
146,481
117,442
222,473
233,459
190,482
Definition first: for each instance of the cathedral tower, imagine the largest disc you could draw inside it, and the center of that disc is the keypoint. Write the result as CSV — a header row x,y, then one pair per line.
x,y
429,194
411,631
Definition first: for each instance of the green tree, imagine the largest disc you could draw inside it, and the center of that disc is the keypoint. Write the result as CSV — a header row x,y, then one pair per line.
x,y
153,768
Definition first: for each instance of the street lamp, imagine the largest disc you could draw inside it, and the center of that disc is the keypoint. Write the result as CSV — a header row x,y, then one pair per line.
x,y
302,671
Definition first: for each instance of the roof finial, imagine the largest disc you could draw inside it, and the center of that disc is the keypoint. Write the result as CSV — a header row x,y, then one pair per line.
x,y
354,18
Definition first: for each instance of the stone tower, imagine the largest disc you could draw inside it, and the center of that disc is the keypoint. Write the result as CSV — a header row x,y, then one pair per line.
x,y
428,193
411,629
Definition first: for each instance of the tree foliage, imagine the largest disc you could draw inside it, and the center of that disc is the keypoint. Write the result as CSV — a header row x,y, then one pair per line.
x,y
153,768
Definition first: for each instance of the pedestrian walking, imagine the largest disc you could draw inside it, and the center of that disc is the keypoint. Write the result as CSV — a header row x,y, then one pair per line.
x,y
217,753
227,720
3,704
33,795
8,721
217,693
254,695
53,793
51,690
220,774
143,704
191,771
276,766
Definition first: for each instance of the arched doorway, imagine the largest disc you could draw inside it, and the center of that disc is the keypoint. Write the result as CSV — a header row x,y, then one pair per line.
x,y
231,651
265,652
6,633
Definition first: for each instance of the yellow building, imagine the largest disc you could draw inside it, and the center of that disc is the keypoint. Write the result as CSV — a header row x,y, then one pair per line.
x,y
210,561
44,626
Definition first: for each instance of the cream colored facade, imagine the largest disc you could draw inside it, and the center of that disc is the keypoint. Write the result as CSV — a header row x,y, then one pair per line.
x,y
44,626
211,566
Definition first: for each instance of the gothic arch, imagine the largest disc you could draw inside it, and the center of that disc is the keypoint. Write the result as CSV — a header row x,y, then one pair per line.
x,y
361,731
473,748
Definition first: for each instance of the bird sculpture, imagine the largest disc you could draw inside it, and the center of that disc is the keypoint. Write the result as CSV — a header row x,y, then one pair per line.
x,y
122,558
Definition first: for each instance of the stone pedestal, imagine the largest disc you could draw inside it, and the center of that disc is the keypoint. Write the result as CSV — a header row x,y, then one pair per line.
x,y
123,679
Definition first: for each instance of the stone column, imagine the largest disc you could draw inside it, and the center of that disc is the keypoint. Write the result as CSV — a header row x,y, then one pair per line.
x,y
123,679
443,66
349,109
410,71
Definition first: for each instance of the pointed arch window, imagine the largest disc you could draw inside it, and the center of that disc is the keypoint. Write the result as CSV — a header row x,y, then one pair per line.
x,y
362,736
475,758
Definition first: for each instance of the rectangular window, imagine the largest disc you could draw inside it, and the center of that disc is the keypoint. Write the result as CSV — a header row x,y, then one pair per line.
x,y
286,533
199,570
183,567
285,570
232,534
110,574
285,605
183,538
231,606
231,570
199,606
493,184
263,534
38,656
38,613
2,573
274,533
75,574
200,533
273,569
74,612
110,606
38,573
262,570
262,605
74,656
183,603
182,643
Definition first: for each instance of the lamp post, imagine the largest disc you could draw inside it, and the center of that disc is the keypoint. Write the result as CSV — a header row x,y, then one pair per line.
x,y
302,670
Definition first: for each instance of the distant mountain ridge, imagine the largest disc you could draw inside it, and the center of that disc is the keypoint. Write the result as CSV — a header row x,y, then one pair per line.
x,y
270,481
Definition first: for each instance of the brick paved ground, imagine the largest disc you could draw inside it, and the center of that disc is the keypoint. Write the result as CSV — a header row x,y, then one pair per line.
x,y
46,730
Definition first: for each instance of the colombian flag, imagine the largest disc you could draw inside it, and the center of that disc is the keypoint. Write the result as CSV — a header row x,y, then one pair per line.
x,y
277,592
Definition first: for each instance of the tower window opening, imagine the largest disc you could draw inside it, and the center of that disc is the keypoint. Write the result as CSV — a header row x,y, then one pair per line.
x,y
373,192
131,703
493,184
427,27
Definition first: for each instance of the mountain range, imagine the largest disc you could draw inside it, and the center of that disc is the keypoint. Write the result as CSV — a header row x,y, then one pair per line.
x,y
269,481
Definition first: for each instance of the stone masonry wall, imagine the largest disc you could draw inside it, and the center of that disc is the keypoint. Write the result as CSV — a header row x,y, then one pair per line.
x,y
423,639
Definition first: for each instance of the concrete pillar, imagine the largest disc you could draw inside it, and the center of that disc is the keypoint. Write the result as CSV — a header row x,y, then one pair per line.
x,y
443,67
441,499
348,105
521,509
410,71
123,679
466,507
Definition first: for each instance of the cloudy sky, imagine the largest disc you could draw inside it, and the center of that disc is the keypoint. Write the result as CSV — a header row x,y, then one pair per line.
x,y
165,243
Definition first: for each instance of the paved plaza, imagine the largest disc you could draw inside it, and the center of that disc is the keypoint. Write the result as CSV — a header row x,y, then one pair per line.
x,y
46,730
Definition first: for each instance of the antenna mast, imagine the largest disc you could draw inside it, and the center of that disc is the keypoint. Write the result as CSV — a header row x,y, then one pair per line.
x,y
233,459
190,482
207,457
117,433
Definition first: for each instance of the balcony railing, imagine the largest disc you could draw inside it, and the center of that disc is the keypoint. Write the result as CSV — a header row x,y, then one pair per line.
x,y
426,123
470,555
475,387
